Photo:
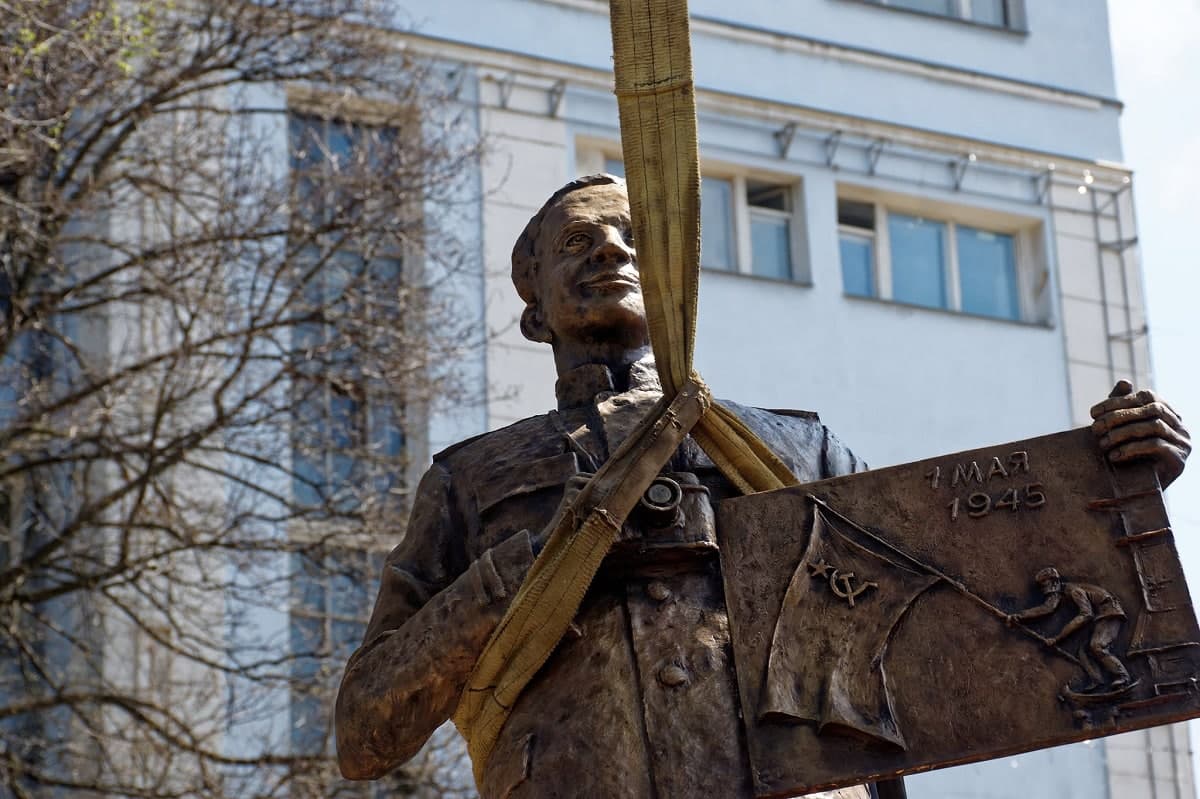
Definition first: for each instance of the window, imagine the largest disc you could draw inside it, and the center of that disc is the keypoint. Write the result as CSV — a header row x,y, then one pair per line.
x,y
856,227
996,13
987,272
931,262
342,421
350,288
718,247
770,208
746,224
918,260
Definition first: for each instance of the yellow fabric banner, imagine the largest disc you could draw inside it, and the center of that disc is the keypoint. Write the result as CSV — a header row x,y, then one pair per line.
x,y
551,593
656,98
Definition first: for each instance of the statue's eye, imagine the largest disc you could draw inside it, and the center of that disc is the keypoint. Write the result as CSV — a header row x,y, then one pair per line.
x,y
629,236
576,242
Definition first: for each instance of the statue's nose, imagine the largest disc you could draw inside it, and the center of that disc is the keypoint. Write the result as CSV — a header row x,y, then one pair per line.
x,y
612,250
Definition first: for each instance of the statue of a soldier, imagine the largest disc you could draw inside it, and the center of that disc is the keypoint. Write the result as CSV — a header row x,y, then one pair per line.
x,y
639,699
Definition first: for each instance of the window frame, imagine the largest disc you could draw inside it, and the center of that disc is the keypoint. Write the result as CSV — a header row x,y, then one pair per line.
x,y
873,236
1028,261
1016,20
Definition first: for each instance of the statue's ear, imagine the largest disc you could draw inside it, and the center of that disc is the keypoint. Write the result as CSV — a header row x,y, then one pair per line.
x,y
533,326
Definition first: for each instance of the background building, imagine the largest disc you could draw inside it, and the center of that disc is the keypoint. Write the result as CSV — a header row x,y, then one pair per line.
x,y
916,222
918,205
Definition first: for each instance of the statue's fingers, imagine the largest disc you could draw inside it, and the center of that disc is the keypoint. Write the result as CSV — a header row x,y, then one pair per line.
x,y
1146,429
1115,404
1121,396
1150,448
1151,398
1125,416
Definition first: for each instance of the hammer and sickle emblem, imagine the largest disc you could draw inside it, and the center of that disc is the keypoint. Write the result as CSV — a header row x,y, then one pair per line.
x,y
842,585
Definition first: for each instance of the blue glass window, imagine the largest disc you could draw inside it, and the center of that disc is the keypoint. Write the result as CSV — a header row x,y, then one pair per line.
x,y
770,229
987,270
922,266
989,12
771,245
856,245
918,250
858,264
717,250
1001,13
946,8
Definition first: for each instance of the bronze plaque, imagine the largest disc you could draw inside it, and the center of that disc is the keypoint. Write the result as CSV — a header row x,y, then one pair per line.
x,y
952,610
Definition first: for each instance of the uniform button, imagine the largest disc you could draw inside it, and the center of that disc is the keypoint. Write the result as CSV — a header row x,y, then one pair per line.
x,y
672,675
658,591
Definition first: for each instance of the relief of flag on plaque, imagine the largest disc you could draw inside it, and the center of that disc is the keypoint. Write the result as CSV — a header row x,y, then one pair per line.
x,y
844,600
951,610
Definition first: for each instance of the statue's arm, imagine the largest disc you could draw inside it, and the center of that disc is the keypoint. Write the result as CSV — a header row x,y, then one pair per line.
x,y
1084,614
429,625
1037,612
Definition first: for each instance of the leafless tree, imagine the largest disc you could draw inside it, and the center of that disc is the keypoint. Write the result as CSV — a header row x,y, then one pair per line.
x,y
226,305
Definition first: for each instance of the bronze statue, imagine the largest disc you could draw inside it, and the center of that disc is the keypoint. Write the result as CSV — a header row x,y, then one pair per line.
x,y
640,698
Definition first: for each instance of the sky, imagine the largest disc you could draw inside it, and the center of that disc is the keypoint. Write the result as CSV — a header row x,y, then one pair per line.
x,y
1156,49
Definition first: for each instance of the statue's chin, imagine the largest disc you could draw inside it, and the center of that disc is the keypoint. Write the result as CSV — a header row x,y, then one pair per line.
x,y
602,322
629,337
614,332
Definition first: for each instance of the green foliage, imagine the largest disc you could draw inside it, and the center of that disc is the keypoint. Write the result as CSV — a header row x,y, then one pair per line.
x,y
110,32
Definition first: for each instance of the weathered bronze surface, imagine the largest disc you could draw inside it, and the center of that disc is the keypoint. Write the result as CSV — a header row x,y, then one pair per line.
x,y
954,609
642,699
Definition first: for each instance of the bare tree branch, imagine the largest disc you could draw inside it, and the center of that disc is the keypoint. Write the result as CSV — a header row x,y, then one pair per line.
x,y
223,283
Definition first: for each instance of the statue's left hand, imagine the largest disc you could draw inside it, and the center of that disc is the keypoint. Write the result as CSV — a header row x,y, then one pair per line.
x,y
1138,425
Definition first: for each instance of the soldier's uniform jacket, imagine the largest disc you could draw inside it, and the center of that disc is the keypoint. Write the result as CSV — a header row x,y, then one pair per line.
x,y
639,699
1094,600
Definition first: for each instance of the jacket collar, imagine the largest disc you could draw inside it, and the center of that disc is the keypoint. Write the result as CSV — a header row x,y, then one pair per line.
x,y
580,385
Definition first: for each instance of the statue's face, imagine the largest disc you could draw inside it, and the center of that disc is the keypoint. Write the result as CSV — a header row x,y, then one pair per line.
x,y
1050,585
587,280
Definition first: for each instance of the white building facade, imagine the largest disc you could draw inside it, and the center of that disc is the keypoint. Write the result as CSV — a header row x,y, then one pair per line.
x,y
916,222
